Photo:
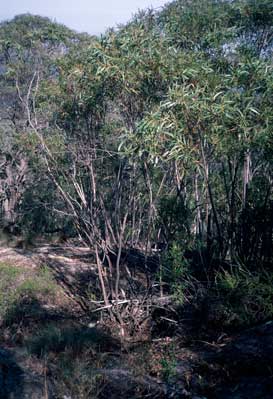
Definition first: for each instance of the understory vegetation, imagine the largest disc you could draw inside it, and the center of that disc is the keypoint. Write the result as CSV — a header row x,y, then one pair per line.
x,y
151,147
21,289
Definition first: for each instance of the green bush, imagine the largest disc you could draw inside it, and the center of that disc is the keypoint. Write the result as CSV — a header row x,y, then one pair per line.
x,y
168,368
175,272
243,298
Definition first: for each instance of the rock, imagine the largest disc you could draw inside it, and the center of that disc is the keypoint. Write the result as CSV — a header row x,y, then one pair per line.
x,y
35,388
246,388
248,357
15,383
122,383
251,350
11,377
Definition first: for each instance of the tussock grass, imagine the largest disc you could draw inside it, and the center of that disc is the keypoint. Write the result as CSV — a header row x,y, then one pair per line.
x,y
241,298
23,290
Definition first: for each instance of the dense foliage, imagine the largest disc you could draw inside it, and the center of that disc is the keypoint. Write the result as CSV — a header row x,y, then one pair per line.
x,y
156,136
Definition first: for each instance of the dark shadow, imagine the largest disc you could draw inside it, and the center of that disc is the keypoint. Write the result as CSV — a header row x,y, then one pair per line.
x,y
79,278
75,339
75,270
11,377
44,332
76,281
28,312
54,330
240,368
137,261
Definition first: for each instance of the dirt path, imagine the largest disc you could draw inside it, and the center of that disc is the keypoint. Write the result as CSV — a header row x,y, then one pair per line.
x,y
73,257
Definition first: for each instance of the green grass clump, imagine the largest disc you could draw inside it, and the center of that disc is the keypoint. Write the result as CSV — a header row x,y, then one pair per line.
x,y
75,377
56,339
22,290
245,297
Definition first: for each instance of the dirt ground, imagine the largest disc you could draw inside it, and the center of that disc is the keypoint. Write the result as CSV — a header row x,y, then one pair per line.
x,y
230,367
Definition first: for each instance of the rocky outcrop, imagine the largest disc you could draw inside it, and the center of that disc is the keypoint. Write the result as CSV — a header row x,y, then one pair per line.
x,y
16,383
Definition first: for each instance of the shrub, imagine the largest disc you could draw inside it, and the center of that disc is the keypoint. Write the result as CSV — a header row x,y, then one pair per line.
x,y
176,273
243,298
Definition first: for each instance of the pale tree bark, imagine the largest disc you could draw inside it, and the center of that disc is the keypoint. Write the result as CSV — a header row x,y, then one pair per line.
x,y
12,188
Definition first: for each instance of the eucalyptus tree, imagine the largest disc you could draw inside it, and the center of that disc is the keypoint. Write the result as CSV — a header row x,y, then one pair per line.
x,y
158,131
219,27
216,122
102,94
29,47
157,134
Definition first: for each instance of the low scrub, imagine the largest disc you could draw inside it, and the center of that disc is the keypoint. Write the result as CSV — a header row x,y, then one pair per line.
x,y
241,298
77,339
23,291
75,377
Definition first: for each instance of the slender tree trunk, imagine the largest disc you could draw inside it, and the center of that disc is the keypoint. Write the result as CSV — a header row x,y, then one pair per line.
x,y
246,176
